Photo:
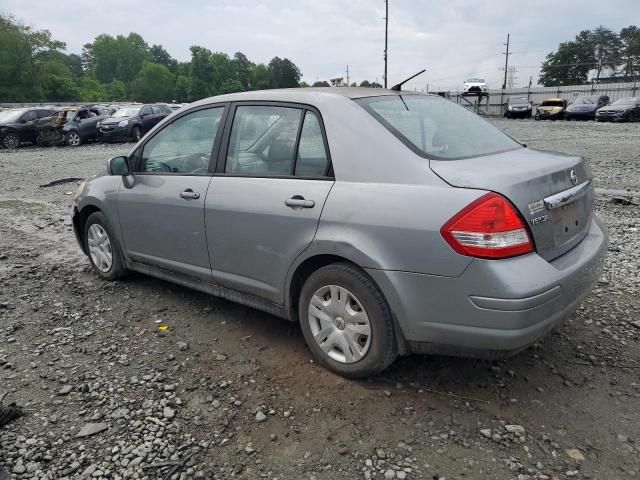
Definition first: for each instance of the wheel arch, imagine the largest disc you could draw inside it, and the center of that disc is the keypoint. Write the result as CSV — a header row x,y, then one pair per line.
x,y
80,220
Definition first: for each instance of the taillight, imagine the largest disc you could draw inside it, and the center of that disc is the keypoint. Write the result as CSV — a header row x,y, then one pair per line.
x,y
489,227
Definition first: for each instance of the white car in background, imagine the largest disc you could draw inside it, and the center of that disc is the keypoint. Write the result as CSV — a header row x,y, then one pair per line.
x,y
475,85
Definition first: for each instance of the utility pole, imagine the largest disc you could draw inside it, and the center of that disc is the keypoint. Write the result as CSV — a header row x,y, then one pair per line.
x,y
386,39
348,84
506,63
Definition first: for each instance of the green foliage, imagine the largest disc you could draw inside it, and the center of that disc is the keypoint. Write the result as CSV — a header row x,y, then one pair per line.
x,y
33,67
599,50
155,83
319,83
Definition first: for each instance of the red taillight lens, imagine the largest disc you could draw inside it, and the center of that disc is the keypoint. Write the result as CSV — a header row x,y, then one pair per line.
x,y
490,227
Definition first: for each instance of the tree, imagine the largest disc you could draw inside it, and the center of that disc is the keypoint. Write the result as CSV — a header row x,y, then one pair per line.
x,y
182,89
242,67
155,83
569,65
606,47
91,90
283,73
303,84
157,54
322,83
630,51
119,57
259,78
230,86
116,91
201,73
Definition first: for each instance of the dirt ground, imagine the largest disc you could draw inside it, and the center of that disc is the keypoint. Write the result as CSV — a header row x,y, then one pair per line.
x,y
230,392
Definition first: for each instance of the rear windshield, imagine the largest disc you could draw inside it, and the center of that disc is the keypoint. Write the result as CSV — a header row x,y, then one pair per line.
x,y
437,128
552,103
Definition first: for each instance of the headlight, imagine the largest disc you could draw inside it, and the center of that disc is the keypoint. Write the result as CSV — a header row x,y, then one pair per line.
x,y
79,191
123,123
509,107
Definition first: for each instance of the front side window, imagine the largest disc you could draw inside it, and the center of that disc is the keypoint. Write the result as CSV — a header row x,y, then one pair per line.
x,y
184,146
436,127
262,141
30,115
145,111
312,156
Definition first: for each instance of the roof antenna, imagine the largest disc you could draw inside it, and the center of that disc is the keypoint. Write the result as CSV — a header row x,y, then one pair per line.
x,y
398,86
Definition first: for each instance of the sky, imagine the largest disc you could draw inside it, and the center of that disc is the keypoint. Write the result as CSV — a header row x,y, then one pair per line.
x,y
452,39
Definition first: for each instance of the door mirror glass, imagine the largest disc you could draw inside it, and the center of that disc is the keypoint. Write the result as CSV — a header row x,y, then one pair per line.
x,y
119,166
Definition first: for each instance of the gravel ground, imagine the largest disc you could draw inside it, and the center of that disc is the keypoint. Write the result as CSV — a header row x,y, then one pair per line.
x,y
230,392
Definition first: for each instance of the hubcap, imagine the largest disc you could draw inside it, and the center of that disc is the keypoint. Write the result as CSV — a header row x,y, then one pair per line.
x,y
100,247
339,324
74,139
11,141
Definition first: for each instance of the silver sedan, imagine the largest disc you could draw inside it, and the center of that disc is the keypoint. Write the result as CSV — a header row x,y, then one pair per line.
x,y
384,222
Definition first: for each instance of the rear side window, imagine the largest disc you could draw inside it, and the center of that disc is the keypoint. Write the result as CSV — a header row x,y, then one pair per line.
x,y
156,109
312,155
30,115
263,141
437,128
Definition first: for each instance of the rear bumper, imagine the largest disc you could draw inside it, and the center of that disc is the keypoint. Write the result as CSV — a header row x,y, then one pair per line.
x,y
495,308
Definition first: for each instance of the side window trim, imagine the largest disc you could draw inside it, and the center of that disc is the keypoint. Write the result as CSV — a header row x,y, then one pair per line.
x,y
220,163
216,143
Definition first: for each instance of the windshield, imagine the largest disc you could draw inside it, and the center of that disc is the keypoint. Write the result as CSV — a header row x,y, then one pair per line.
x,y
518,100
626,101
437,127
592,100
552,103
126,112
475,80
11,115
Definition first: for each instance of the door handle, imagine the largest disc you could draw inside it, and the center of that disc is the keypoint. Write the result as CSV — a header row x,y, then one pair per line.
x,y
189,194
299,201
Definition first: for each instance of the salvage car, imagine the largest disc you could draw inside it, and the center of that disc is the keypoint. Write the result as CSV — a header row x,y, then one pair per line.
x,y
475,86
409,231
71,125
584,108
551,108
131,123
18,125
518,107
622,110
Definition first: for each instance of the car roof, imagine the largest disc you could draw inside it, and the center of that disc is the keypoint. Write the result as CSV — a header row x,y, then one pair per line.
x,y
304,95
553,100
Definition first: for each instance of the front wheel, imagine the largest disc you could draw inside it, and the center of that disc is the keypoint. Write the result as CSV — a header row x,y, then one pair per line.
x,y
73,139
103,248
136,134
346,322
11,140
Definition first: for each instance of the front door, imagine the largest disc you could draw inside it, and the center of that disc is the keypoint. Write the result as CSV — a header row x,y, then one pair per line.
x,y
162,214
264,204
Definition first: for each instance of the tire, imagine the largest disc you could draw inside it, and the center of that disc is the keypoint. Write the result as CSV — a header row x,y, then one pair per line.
x,y
632,117
11,140
537,117
97,223
370,344
73,139
136,134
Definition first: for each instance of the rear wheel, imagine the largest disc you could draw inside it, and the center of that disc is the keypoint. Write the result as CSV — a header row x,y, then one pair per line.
x,y
633,117
346,322
11,140
103,248
73,139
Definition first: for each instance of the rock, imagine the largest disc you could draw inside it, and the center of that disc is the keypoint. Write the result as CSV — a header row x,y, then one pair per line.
x,y
636,323
66,390
91,429
486,432
623,438
168,413
517,429
575,454
342,450
261,417
401,475
183,346
220,357
249,449
389,474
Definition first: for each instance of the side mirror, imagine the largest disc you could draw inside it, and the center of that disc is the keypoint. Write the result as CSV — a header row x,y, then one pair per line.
x,y
119,166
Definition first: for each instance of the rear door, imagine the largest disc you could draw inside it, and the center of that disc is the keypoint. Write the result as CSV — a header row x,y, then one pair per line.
x,y
162,213
264,204
27,129
147,117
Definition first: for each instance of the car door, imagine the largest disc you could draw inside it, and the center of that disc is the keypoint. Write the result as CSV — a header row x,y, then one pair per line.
x,y
27,127
82,120
264,203
147,118
162,212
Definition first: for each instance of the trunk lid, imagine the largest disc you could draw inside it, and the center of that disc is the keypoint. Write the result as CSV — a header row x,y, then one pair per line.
x,y
551,190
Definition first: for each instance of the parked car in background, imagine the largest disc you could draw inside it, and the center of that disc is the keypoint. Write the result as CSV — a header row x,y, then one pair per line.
x,y
407,232
71,125
475,85
18,125
131,123
585,107
551,108
622,110
518,107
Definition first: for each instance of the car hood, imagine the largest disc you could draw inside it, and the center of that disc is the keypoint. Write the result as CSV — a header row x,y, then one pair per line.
x,y
8,124
115,119
616,108
582,108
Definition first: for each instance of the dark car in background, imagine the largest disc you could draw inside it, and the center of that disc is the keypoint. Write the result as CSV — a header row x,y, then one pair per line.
x,y
585,107
518,107
622,110
18,125
71,125
131,123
